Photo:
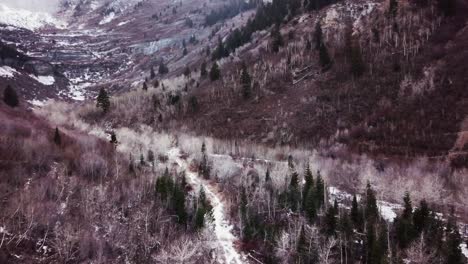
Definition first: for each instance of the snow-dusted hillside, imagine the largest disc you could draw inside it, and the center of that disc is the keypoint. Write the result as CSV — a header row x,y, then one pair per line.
x,y
27,19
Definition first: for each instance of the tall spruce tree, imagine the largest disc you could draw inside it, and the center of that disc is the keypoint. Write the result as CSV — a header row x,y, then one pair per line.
x,y
203,71
311,205
10,97
215,73
246,82
293,192
371,210
103,101
308,186
404,224
421,217
57,137
319,191
277,39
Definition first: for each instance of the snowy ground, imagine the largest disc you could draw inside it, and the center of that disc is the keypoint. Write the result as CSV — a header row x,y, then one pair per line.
x,y
27,19
7,72
222,228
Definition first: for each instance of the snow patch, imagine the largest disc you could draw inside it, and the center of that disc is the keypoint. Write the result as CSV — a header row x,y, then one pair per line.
x,y
464,249
38,103
7,72
46,80
27,19
107,18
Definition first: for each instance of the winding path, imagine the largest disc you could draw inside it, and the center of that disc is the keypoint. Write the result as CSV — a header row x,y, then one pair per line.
x,y
222,228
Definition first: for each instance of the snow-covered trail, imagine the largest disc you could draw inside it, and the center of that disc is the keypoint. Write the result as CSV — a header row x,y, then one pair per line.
x,y
222,228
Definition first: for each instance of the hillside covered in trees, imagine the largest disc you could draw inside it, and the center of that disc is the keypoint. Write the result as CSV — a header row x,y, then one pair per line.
x,y
286,131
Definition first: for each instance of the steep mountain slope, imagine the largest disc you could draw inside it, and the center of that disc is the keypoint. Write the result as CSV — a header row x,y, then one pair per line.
x,y
115,43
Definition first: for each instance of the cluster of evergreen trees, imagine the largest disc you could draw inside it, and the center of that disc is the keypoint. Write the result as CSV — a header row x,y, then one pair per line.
x,y
268,14
230,10
361,233
172,193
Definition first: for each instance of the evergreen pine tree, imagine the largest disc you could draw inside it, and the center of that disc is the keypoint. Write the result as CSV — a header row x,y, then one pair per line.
x,y
162,68
214,72
103,101
421,217
113,139
293,192
267,176
324,58
145,87
311,205
10,97
187,71
330,222
371,245
246,82
318,36
355,214
308,186
319,191
277,39
57,137
203,71
302,247
453,253
404,224
371,211
178,203
357,62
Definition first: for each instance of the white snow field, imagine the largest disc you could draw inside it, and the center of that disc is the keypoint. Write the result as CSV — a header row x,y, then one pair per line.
x,y
22,18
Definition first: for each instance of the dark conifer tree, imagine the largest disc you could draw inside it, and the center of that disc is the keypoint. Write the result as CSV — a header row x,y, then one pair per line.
x,y
311,205
145,87
404,224
57,137
319,191
453,253
246,82
277,39
103,101
214,72
330,222
113,139
308,186
371,210
162,68
267,176
421,217
293,192
355,214
10,97
203,71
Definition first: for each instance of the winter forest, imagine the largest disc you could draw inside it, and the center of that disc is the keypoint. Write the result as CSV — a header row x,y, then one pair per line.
x,y
234,132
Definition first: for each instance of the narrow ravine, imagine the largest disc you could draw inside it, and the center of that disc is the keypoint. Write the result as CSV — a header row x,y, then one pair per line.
x,y
222,227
